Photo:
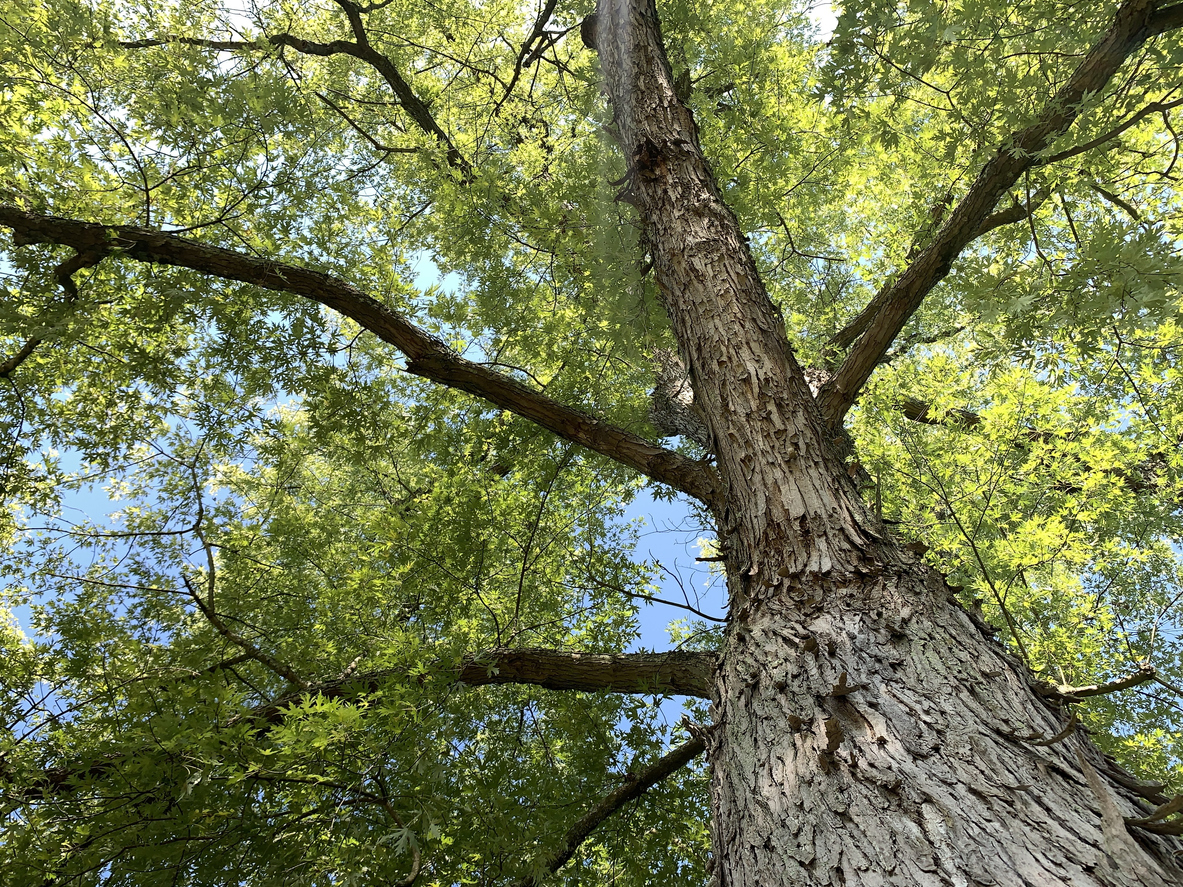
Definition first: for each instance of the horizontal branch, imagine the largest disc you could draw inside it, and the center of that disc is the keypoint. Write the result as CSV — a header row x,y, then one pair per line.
x,y
878,325
426,355
1012,214
683,673
674,673
1141,676
917,410
634,786
1167,18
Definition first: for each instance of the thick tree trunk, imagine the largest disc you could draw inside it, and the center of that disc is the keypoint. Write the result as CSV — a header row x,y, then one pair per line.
x,y
867,730
758,407
870,733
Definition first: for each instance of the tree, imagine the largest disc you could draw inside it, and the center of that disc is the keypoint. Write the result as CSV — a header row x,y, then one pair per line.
x,y
362,615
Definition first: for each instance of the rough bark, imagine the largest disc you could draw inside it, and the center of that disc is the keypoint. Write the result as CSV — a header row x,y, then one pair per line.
x,y
867,730
685,673
682,673
787,506
872,733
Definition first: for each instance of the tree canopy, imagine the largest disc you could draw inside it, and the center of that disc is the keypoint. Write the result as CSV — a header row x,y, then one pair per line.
x,y
348,313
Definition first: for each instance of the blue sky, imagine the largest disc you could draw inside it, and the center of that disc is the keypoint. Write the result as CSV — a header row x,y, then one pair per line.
x,y
667,534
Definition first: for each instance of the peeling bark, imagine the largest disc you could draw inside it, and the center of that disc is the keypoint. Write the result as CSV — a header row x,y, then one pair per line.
x,y
871,733
787,505
868,731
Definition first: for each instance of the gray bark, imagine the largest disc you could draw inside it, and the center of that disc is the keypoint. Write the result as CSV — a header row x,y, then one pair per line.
x,y
671,403
871,733
867,731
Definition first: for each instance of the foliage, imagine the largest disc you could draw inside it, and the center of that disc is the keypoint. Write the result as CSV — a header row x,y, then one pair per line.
x,y
265,461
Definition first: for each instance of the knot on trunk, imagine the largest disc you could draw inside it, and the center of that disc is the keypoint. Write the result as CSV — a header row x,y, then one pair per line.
x,y
671,403
815,378
588,30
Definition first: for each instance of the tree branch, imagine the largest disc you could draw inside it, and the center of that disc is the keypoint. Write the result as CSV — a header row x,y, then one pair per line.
x,y
1129,208
917,338
65,275
656,600
634,787
416,109
378,146
426,356
525,55
1073,694
250,650
677,673
1168,18
1115,132
1136,21
1017,212
685,673
917,410
1142,478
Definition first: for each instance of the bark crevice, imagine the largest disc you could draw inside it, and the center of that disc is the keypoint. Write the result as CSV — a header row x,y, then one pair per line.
x,y
867,725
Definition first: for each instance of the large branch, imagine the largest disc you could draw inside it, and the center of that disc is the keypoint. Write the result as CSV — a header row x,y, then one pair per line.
x,y
861,322
1136,22
634,786
426,356
675,673
790,507
682,673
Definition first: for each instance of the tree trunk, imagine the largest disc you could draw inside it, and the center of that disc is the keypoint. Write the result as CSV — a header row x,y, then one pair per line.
x,y
868,731
871,733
